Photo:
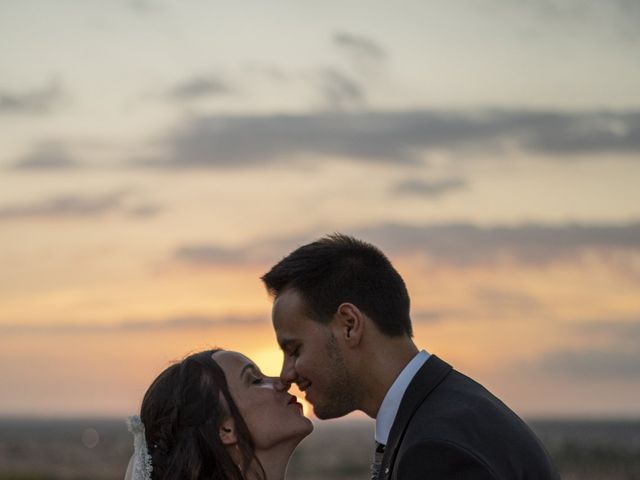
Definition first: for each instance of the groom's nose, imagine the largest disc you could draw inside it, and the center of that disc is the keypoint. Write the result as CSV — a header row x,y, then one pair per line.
x,y
279,385
288,373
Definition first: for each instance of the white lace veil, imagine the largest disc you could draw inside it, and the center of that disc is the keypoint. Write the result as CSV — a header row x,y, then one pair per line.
x,y
140,464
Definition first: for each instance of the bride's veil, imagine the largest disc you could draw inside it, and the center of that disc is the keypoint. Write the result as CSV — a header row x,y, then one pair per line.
x,y
139,467
129,474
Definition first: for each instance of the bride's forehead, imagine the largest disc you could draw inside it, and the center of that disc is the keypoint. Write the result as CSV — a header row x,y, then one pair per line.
x,y
230,359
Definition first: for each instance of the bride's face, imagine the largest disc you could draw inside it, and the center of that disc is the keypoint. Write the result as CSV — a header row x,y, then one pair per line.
x,y
272,415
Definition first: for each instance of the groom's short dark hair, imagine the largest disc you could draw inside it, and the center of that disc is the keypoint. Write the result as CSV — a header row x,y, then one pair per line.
x,y
337,269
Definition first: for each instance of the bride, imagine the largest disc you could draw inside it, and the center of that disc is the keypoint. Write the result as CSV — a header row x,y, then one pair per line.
x,y
215,416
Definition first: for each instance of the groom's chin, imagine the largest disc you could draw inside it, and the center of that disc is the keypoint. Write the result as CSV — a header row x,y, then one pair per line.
x,y
327,412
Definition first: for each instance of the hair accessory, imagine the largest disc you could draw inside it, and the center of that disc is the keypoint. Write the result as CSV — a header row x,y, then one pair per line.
x,y
141,467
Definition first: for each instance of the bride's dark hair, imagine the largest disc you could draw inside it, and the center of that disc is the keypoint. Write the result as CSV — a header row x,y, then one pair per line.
x,y
182,412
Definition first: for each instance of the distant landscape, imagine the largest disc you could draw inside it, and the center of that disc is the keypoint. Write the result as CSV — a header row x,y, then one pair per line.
x,y
99,449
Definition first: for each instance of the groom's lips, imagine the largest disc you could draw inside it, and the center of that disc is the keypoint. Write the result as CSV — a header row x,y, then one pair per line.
x,y
302,386
306,390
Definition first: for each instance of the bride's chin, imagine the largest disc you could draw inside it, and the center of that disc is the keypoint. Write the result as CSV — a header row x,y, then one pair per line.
x,y
290,439
304,432
309,427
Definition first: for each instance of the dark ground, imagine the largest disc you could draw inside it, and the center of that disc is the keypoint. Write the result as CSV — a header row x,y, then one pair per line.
x,y
100,449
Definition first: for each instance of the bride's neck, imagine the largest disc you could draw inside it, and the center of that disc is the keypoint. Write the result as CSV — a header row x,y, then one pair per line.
x,y
275,461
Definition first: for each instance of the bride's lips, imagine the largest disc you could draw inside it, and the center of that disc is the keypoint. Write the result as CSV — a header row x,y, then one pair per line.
x,y
294,401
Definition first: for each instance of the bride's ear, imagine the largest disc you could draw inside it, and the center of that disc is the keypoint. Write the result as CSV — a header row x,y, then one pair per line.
x,y
228,432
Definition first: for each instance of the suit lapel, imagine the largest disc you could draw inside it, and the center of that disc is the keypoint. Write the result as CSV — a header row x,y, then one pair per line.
x,y
428,377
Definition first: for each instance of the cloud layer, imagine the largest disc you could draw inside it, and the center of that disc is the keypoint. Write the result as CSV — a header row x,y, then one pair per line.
x,y
590,364
429,189
77,206
394,137
616,357
199,87
47,156
340,90
457,244
189,322
383,137
359,45
37,101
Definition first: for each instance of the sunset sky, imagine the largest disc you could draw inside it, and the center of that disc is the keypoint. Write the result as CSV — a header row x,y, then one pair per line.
x,y
157,157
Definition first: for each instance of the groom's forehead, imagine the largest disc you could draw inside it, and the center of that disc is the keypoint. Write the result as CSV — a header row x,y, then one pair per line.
x,y
291,318
289,302
291,321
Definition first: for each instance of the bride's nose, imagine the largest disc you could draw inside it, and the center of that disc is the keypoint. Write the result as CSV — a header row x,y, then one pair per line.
x,y
274,383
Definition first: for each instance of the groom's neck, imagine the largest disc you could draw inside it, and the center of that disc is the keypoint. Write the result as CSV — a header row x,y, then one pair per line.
x,y
383,359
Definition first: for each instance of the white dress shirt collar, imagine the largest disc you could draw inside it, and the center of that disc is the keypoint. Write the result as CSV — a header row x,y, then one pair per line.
x,y
391,403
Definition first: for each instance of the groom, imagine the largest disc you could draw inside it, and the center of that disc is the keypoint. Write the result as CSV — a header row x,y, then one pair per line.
x,y
341,317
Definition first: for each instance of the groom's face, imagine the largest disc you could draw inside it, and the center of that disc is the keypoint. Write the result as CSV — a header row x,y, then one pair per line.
x,y
312,358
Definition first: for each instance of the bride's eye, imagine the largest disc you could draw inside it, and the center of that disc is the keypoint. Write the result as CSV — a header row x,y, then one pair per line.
x,y
257,380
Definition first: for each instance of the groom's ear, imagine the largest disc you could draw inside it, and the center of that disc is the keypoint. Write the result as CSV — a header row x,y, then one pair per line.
x,y
228,432
349,323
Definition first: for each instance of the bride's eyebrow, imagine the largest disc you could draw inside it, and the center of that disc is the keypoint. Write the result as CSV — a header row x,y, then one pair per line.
x,y
248,366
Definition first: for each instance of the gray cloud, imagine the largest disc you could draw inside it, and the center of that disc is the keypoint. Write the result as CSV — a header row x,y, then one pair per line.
x,y
31,102
596,132
552,10
78,206
261,252
628,7
47,156
500,300
340,91
402,137
187,322
211,254
242,141
429,189
437,316
360,47
198,88
365,61
144,210
620,17
614,330
602,364
468,244
457,244
617,355
143,6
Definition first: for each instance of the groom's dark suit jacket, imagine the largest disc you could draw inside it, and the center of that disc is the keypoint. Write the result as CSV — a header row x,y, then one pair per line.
x,y
450,427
